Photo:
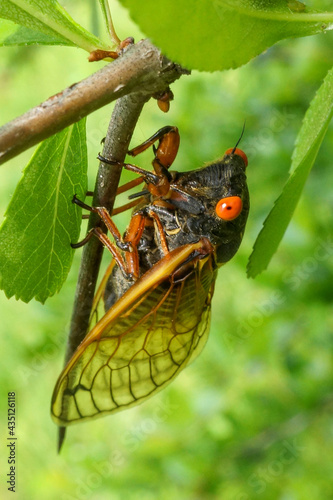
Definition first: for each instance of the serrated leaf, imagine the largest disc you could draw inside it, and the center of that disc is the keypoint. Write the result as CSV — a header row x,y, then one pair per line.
x,y
308,142
14,34
221,34
50,18
41,220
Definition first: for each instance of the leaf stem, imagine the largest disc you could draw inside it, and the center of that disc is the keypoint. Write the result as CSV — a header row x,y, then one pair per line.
x,y
112,32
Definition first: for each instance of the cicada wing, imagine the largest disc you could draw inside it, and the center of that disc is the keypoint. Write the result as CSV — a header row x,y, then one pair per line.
x,y
141,343
97,309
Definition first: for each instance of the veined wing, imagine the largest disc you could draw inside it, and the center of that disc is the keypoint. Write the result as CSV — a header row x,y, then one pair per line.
x,y
141,343
98,302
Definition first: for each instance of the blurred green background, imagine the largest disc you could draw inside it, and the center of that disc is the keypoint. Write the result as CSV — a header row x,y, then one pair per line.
x,y
252,417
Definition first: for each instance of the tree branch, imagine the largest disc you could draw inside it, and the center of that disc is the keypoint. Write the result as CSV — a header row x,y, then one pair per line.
x,y
140,68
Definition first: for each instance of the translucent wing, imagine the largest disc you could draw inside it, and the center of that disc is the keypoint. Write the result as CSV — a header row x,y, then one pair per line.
x,y
98,306
141,343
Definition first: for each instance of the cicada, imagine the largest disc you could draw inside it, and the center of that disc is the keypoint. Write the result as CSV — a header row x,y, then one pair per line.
x,y
158,289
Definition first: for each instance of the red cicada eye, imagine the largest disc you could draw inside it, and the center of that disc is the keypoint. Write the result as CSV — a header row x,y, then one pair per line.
x,y
238,152
229,208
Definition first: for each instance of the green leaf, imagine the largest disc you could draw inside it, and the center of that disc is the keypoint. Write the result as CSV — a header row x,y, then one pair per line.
x,y
41,220
51,19
14,34
106,13
213,35
308,142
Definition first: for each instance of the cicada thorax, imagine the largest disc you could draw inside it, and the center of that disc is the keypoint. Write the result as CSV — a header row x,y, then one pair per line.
x,y
157,318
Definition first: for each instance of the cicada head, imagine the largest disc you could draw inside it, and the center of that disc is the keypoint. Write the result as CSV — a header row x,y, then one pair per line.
x,y
213,202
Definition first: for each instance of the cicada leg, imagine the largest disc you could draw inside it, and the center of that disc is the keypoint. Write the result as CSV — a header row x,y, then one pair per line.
x,y
159,227
130,185
133,235
107,243
129,243
149,177
125,207
130,265
165,154
121,189
158,183
167,148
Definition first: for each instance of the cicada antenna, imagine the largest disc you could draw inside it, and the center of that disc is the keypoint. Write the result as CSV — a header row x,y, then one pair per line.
x,y
241,136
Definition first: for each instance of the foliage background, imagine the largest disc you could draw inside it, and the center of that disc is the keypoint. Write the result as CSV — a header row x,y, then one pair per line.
x,y
251,418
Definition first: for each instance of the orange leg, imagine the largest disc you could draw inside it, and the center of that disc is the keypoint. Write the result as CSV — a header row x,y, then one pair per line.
x,y
165,153
164,243
168,145
122,189
129,185
129,265
133,235
149,177
125,207
106,242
